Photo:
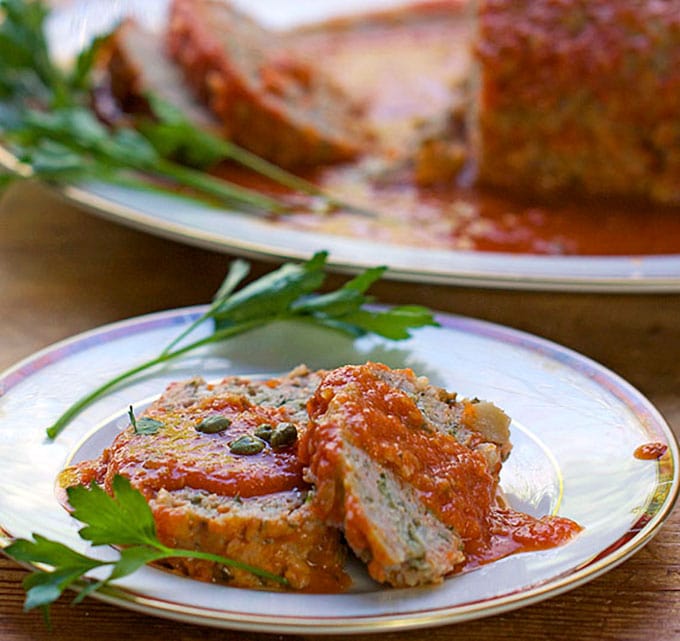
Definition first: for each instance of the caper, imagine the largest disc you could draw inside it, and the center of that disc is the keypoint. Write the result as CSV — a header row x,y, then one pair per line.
x,y
284,434
225,574
246,444
264,431
213,424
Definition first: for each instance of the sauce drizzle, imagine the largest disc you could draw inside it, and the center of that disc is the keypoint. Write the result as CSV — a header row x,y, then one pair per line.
x,y
450,478
650,451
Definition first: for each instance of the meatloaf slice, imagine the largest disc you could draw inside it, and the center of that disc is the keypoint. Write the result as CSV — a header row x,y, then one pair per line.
x,y
137,64
209,493
580,96
404,468
184,453
268,99
277,532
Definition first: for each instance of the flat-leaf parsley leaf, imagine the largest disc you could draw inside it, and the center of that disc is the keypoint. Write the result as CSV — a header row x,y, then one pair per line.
x,y
145,424
123,519
287,293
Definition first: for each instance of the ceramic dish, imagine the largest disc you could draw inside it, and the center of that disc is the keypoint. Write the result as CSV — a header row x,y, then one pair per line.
x,y
246,235
575,429
238,233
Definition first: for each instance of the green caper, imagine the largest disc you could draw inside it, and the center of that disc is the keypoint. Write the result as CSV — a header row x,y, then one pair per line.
x,y
246,444
213,424
285,434
264,431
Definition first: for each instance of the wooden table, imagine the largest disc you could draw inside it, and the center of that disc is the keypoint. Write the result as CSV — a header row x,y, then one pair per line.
x,y
63,271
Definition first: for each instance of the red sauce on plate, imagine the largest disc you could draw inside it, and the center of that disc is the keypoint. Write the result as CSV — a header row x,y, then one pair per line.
x,y
650,451
510,532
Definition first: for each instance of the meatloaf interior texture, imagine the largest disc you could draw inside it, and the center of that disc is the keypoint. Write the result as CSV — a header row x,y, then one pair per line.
x,y
268,98
403,468
136,65
278,532
579,96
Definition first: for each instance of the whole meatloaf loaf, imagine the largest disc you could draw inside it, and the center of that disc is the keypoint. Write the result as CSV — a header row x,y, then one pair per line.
x,y
268,99
407,471
580,96
221,474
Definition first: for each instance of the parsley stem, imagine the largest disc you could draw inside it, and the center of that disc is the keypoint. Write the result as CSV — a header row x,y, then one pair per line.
x,y
76,408
207,556
270,170
222,189
188,330
54,430
286,178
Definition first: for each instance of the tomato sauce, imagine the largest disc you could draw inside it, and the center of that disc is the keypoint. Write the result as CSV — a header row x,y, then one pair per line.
x,y
650,451
179,455
510,532
451,479
408,67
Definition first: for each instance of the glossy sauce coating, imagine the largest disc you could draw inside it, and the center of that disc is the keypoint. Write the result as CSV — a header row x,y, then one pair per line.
x,y
178,455
650,451
451,479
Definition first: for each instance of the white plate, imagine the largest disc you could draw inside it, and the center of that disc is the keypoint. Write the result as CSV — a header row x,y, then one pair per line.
x,y
237,233
575,428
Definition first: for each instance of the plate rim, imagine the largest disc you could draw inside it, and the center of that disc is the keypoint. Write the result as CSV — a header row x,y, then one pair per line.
x,y
513,279
627,545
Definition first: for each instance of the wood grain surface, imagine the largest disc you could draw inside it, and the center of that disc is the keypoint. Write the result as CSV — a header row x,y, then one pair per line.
x,y
63,271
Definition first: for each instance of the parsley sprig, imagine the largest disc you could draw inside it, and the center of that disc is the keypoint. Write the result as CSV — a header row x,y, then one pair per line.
x,y
123,520
47,123
287,293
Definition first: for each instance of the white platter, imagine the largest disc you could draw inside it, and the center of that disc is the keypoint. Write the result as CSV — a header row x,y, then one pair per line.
x,y
575,428
238,233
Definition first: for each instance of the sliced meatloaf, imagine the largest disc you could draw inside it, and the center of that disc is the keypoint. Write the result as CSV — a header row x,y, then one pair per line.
x,y
137,64
404,468
277,532
218,465
579,96
268,99
272,473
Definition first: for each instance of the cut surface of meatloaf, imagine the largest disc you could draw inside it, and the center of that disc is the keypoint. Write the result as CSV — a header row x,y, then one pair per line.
x,y
404,468
208,493
137,64
268,99
579,96
277,532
